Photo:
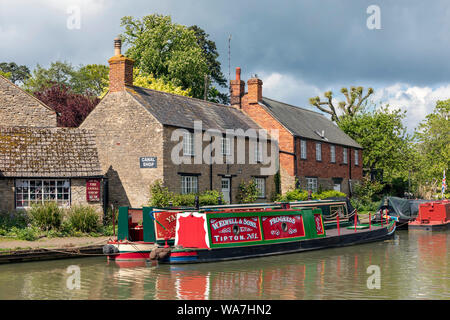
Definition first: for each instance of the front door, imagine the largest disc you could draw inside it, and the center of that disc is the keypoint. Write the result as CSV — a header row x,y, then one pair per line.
x,y
226,190
337,184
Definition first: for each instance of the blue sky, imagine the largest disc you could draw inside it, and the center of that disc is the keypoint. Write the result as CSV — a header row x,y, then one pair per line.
x,y
298,48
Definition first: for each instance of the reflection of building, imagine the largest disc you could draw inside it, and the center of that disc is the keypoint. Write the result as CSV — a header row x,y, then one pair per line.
x,y
40,162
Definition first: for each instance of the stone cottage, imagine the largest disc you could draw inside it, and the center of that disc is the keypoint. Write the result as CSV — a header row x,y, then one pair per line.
x,y
40,162
190,145
313,150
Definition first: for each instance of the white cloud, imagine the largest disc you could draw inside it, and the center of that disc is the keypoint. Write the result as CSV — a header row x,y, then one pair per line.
x,y
418,102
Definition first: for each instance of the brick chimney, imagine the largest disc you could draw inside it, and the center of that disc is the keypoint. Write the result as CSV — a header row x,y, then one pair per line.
x,y
254,90
120,69
237,88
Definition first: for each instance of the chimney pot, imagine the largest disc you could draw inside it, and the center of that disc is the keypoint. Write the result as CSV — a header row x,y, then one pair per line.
x,y
117,46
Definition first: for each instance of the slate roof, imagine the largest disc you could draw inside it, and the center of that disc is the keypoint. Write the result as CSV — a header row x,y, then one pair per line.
x,y
180,111
308,124
48,152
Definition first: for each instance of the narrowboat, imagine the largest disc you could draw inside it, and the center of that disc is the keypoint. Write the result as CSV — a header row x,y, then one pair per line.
x,y
236,234
433,216
159,234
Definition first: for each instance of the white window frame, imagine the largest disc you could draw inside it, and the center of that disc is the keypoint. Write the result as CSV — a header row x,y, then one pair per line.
x,y
345,155
189,184
318,151
188,144
303,149
260,186
333,153
311,184
42,190
226,146
356,157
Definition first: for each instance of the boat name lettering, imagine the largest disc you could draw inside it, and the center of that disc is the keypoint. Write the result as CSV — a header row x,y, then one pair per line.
x,y
226,222
282,219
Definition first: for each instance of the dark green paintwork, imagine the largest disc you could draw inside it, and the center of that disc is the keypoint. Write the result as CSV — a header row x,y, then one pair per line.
x,y
122,233
148,224
308,222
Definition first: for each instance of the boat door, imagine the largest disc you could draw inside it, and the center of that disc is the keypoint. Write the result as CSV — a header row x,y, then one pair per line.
x,y
226,189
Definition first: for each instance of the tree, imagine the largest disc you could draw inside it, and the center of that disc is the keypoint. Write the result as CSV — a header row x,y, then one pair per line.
x,y
433,145
72,108
90,79
210,52
353,103
59,73
166,50
17,74
141,79
383,136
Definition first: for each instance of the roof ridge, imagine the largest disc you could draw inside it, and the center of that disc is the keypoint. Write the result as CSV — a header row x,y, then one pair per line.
x,y
292,106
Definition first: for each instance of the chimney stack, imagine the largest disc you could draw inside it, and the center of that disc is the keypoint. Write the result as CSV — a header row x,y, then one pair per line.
x,y
237,88
120,69
254,90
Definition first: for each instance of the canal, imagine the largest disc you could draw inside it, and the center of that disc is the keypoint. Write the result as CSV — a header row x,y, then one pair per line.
x,y
412,265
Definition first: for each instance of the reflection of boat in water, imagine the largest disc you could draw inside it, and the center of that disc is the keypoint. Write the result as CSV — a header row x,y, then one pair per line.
x,y
219,233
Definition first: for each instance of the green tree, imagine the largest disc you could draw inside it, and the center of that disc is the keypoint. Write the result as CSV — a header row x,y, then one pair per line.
x,y
17,74
383,136
354,102
166,50
58,73
90,79
433,145
215,73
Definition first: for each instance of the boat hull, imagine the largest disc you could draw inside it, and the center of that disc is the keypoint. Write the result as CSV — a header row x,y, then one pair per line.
x,y
429,226
253,251
128,251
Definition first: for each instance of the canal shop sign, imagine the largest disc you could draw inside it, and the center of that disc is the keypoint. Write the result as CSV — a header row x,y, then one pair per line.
x,y
231,230
148,162
93,190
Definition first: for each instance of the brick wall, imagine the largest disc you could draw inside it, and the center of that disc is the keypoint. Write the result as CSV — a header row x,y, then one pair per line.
x,y
18,108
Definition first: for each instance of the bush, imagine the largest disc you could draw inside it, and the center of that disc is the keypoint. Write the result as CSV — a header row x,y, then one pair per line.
x,y
302,195
84,219
46,216
29,233
162,197
247,192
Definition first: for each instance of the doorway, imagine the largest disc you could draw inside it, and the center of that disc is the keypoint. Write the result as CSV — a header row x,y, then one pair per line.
x,y
226,184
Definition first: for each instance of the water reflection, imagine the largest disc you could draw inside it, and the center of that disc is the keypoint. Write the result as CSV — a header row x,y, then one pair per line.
x,y
413,266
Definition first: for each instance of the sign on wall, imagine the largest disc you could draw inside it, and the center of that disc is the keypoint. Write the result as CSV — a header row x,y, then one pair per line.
x,y
93,190
148,162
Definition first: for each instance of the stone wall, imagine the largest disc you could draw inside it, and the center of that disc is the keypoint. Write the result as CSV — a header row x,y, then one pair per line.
x,y
18,108
6,195
78,194
126,131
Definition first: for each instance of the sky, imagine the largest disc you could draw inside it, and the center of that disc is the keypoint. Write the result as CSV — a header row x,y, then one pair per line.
x,y
298,48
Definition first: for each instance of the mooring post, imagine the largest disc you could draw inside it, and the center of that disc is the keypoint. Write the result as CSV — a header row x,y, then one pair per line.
x,y
356,218
370,222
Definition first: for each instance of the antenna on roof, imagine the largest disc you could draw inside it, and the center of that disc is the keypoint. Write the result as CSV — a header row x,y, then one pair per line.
x,y
229,59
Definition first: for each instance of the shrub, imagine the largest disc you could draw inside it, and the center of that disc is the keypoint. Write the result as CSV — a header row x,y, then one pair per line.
x,y
29,233
328,194
247,192
83,218
46,216
162,197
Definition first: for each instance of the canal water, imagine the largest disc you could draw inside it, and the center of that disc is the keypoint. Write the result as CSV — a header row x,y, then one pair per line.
x,y
412,265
